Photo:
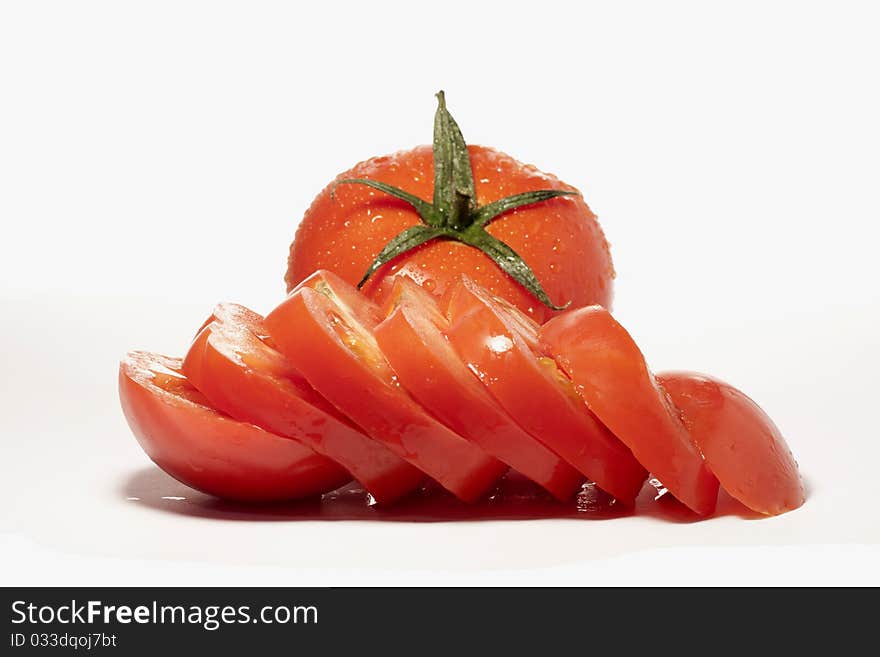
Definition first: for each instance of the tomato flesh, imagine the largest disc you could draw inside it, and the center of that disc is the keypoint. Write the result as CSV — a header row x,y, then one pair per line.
x,y
209,451
325,327
536,394
611,375
741,444
231,363
429,368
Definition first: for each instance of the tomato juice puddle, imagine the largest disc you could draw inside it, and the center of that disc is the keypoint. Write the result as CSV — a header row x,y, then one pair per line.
x,y
515,498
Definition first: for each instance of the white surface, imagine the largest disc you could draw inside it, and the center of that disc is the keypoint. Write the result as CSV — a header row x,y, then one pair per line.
x,y
154,159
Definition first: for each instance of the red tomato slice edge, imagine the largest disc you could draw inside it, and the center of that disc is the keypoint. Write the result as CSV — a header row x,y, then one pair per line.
x,y
741,444
429,368
210,451
535,394
325,327
231,363
610,373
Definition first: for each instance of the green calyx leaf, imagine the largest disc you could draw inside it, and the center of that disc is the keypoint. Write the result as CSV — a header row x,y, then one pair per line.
x,y
425,209
455,197
454,213
489,211
511,264
401,243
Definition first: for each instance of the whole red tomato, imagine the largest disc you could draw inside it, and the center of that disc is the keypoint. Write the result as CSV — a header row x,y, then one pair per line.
x,y
541,250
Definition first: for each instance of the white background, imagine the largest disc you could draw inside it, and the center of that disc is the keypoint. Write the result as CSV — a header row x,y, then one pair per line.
x,y
156,156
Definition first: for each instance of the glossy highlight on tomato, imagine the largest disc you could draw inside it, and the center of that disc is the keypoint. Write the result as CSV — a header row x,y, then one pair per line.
x,y
208,450
233,363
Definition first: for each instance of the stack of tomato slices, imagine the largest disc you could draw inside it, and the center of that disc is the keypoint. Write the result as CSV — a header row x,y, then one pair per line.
x,y
331,387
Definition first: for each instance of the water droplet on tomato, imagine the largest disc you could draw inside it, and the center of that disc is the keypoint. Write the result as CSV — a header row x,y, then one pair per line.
x,y
499,344
429,284
476,370
659,487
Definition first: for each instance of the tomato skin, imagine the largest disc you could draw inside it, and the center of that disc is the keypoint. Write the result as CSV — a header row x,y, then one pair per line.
x,y
436,377
250,380
235,333
611,375
332,344
209,451
536,395
560,239
741,444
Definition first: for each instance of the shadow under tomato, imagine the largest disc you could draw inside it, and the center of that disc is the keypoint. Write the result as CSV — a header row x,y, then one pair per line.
x,y
515,498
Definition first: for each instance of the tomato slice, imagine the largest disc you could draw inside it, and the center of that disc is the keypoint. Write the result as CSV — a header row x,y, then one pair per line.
x,y
209,451
741,444
536,394
325,327
611,375
233,364
429,368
